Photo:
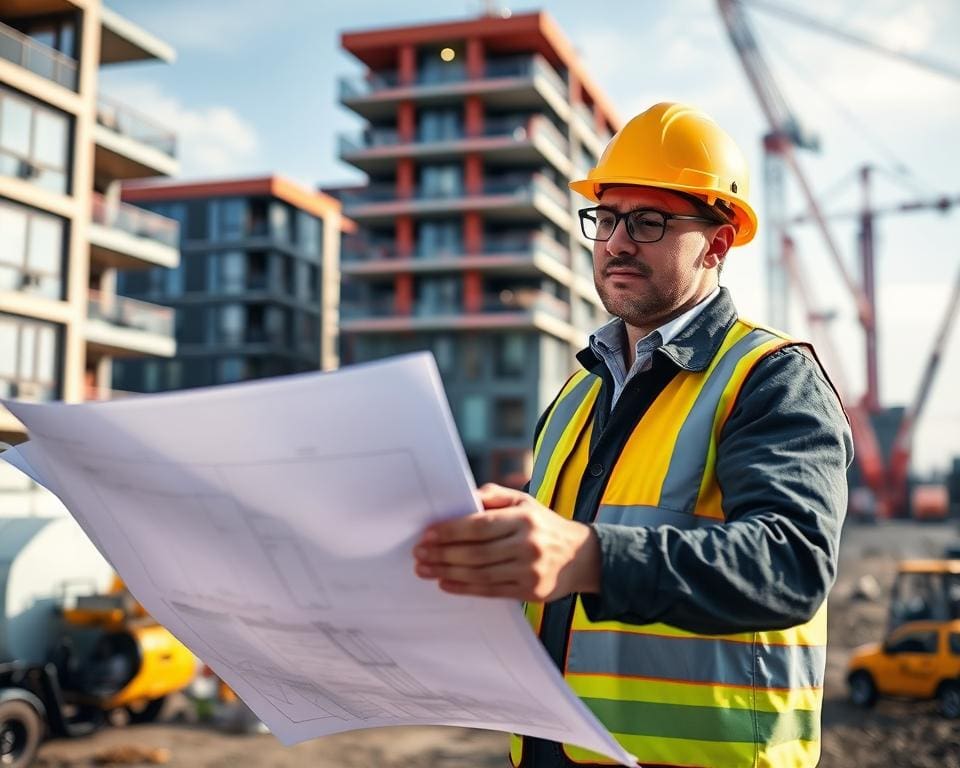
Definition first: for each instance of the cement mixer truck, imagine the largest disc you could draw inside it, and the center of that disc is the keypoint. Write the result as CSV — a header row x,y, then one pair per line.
x,y
74,644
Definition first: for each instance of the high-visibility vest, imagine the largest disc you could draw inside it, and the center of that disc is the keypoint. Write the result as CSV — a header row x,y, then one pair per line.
x,y
669,696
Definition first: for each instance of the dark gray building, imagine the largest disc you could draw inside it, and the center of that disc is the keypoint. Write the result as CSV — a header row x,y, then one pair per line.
x,y
257,288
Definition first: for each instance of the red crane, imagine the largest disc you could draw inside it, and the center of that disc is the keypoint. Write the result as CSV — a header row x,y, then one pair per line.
x,y
785,135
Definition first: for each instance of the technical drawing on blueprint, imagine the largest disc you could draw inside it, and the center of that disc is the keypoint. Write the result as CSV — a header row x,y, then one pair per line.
x,y
269,525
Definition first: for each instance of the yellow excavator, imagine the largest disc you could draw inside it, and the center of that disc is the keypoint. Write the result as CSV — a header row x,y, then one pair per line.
x,y
75,646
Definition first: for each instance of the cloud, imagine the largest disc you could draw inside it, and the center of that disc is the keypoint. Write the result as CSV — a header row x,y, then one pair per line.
x,y
212,140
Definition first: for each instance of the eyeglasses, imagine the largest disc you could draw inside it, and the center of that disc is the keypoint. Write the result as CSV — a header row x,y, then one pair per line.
x,y
644,225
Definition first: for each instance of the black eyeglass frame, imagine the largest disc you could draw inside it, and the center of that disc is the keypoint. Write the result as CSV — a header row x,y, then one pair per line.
x,y
584,214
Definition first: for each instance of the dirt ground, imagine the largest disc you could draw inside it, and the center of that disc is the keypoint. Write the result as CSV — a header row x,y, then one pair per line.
x,y
895,733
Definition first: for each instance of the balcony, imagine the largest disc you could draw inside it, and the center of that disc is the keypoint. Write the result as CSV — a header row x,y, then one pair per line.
x,y
504,139
511,254
508,309
509,197
507,82
122,327
131,146
126,237
38,58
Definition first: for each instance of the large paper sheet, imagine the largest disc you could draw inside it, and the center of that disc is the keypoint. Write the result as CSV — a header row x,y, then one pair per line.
x,y
269,526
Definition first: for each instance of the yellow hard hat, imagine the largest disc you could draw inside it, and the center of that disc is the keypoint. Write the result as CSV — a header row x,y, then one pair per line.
x,y
677,147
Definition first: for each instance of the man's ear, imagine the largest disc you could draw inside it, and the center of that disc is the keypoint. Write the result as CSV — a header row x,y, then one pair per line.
x,y
719,245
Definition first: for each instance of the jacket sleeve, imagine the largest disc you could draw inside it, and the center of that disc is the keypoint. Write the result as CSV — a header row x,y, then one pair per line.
x,y
781,465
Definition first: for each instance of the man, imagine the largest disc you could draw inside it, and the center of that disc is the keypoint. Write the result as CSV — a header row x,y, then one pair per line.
x,y
682,524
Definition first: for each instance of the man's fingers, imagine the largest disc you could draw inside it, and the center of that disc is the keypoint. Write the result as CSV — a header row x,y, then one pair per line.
x,y
486,575
473,554
480,526
494,496
506,589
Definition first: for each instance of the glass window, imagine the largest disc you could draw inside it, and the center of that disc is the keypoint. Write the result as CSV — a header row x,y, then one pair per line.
x,y
29,358
280,222
439,124
230,369
473,418
15,118
955,644
197,220
439,238
195,269
510,359
34,142
441,180
445,352
232,323
46,244
50,139
31,251
174,279
913,642
510,417
233,271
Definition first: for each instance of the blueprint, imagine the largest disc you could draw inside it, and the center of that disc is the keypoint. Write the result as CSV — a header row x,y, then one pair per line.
x,y
269,526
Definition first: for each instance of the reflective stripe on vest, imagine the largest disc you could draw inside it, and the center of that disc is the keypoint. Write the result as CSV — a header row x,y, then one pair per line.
x,y
673,697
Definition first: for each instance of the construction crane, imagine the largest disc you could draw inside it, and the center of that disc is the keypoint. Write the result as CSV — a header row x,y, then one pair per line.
x,y
899,467
779,144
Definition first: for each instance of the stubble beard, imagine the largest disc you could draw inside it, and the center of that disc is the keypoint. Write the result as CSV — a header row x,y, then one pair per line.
x,y
637,311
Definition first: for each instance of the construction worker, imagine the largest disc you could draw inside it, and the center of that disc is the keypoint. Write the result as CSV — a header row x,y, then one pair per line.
x,y
681,529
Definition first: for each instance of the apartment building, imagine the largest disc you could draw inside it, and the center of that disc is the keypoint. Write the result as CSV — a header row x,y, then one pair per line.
x,y
64,150
257,289
468,242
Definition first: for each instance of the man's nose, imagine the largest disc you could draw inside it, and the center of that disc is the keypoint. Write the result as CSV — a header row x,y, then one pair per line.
x,y
620,241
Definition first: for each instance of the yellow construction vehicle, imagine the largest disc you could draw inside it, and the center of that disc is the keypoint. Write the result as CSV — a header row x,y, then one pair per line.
x,y
920,656
75,645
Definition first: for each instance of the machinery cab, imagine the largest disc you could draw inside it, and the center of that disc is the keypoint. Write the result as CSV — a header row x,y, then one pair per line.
x,y
925,590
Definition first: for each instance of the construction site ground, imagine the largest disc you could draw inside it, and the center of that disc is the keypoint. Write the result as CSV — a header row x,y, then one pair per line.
x,y
895,733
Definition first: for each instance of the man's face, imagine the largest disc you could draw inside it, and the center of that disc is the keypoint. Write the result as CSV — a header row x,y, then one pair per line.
x,y
643,282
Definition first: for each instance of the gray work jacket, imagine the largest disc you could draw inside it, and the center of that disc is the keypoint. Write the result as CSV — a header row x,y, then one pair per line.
x,y
781,466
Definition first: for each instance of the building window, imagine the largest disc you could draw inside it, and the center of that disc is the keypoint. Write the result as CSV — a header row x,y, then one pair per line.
x,y
438,296
29,359
232,324
473,419
438,238
445,352
280,222
232,272
309,235
510,356
31,251
230,369
34,142
439,124
441,180
510,417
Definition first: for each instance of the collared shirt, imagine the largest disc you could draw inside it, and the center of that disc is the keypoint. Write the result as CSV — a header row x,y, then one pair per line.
x,y
608,343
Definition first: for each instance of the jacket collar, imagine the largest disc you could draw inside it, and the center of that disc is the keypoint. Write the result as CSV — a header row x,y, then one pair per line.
x,y
695,346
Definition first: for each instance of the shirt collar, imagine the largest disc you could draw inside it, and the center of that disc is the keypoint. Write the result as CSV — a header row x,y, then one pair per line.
x,y
694,342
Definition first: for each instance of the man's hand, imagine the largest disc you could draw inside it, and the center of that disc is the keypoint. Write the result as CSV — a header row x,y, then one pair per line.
x,y
515,548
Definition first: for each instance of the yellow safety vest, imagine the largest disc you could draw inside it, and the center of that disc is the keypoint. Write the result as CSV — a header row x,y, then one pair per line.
x,y
673,697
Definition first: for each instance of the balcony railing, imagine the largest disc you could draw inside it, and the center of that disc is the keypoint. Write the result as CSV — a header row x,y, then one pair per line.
x,y
38,58
136,221
130,313
120,119
508,184
360,251
511,66
526,300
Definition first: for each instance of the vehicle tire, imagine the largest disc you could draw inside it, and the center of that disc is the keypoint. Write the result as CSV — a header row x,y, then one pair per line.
x,y
147,712
21,729
948,699
863,691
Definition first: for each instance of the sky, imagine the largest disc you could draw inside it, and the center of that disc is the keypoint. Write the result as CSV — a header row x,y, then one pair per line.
x,y
253,91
